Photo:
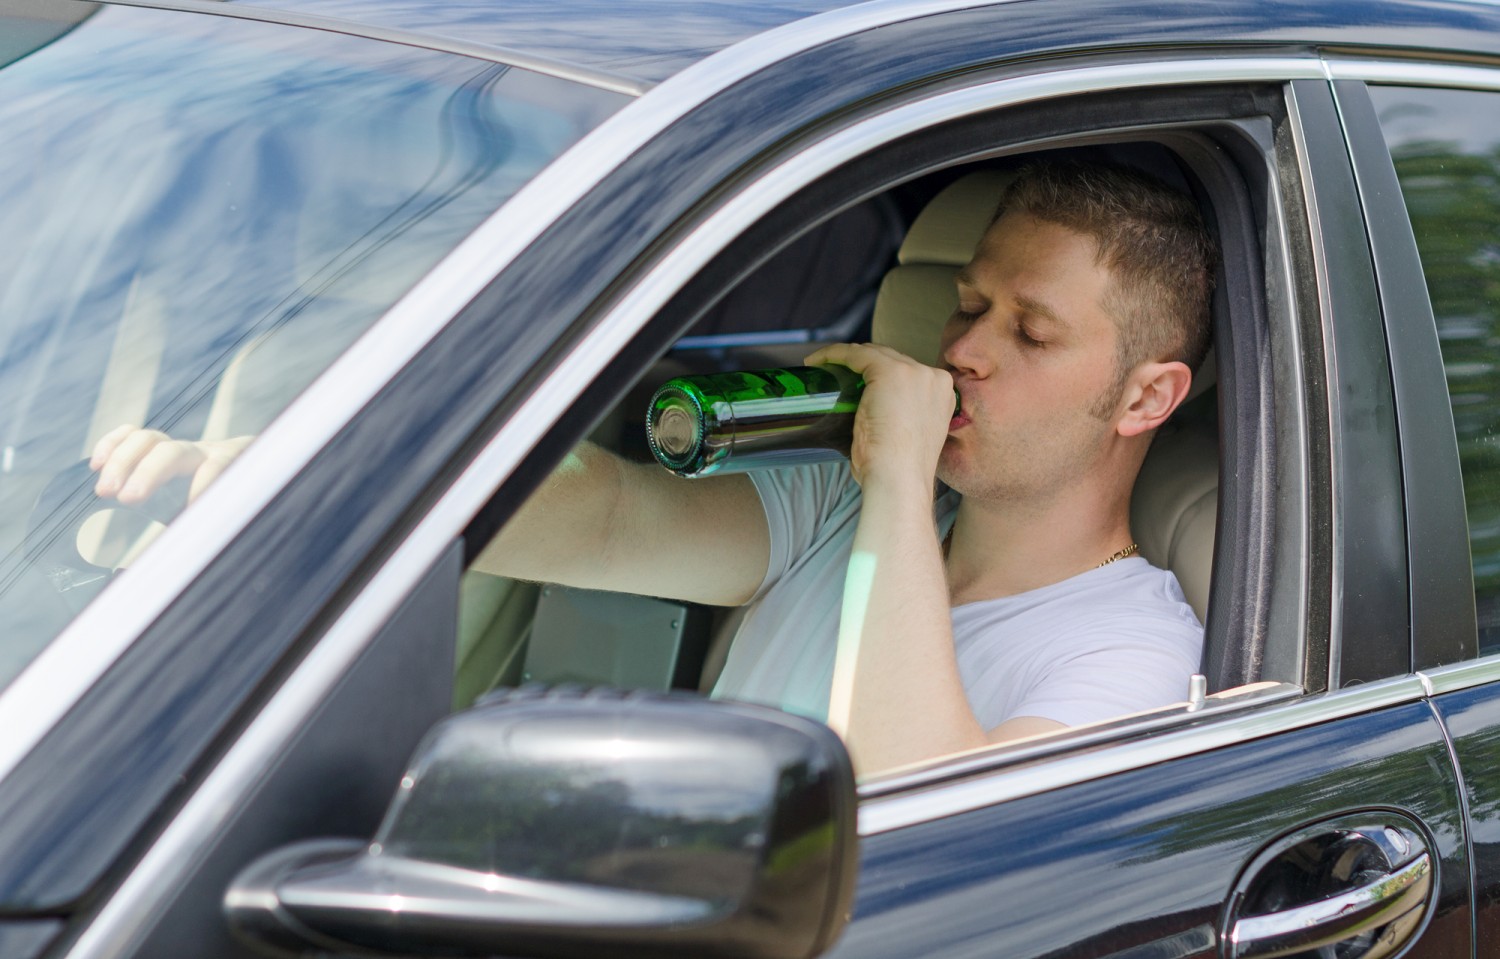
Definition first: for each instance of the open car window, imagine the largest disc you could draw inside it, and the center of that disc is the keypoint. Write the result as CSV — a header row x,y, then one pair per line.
x,y
514,632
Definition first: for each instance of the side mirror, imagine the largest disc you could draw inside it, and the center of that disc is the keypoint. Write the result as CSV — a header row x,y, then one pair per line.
x,y
577,825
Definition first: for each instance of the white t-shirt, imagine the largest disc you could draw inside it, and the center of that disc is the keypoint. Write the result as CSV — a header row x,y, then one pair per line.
x,y
1114,640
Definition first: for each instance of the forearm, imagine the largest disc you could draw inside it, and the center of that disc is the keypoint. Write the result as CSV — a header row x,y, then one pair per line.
x,y
603,523
897,691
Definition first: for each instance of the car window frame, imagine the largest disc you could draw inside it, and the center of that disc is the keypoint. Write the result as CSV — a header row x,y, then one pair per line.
x,y
1444,621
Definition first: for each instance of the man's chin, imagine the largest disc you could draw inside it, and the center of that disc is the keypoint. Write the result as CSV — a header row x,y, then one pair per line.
x,y
950,470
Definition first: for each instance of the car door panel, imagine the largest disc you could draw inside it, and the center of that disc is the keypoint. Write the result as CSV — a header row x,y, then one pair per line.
x,y
1430,236
334,775
1472,717
1142,863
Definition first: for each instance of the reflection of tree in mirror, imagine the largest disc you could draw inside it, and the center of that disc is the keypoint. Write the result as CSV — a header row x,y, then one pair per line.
x,y
1453,197
572,825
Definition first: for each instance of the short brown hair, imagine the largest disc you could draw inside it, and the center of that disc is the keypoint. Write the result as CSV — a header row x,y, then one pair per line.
x,y
1152,238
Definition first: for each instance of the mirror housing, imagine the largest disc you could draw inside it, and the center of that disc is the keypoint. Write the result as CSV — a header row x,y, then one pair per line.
x,y
566,824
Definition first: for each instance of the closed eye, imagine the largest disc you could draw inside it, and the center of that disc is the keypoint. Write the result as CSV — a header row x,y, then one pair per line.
x,y
1026,339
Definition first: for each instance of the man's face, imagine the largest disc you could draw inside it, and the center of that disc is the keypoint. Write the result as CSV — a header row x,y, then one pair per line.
x,y
1032,353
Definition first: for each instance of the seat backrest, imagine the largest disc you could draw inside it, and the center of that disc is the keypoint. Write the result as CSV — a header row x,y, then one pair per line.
x,y
1174,506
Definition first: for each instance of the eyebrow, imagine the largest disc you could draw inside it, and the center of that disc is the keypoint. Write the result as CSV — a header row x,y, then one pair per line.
x,y
1040,309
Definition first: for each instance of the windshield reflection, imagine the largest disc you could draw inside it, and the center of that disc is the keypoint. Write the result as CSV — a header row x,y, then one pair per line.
x,y
197,214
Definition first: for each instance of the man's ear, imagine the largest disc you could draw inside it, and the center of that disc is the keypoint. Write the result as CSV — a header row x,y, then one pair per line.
x,y
1152,392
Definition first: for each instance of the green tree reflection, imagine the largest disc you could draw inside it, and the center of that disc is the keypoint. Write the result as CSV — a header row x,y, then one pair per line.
x,y
1453,197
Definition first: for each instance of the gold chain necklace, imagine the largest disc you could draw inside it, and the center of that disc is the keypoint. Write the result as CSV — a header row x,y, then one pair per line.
x,y
1130,550
1127,551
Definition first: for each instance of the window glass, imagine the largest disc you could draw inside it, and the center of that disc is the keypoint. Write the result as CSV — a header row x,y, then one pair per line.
x,y
197,214
1446,147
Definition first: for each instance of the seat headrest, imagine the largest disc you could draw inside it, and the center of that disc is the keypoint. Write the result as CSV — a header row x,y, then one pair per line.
x,y
917,296
952,224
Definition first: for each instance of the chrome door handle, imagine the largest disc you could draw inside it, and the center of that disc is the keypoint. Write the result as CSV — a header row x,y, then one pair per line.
x,y
1400,894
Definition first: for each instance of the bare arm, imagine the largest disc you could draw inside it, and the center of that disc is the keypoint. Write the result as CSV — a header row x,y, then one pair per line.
x,y
597,521
898,696
603,523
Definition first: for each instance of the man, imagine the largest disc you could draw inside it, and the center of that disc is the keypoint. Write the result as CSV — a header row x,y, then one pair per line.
x,y
1010,607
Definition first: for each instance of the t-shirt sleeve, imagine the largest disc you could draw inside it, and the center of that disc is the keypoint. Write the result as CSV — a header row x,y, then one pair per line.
x,y
1107,673
797,502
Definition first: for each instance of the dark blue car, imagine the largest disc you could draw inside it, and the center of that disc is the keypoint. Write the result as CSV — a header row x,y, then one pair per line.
x,y
380,265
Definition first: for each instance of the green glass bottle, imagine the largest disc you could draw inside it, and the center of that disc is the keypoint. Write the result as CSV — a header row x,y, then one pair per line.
x,y
756,419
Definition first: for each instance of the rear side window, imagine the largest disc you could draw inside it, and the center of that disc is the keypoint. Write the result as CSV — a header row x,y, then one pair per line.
x,y
1446,148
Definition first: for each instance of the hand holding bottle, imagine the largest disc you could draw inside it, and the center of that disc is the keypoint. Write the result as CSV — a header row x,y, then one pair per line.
x,y
755,419
903,417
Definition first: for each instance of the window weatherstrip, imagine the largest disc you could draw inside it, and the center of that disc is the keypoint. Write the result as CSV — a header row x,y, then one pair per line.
x,y
1325,327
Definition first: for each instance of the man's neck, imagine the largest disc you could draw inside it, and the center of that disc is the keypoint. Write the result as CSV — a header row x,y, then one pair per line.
x,y
1002,549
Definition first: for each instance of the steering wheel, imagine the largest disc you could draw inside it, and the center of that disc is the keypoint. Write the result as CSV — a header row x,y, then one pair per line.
x,y
65,504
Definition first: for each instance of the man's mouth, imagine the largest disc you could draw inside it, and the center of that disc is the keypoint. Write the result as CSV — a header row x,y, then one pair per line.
x,y
960,416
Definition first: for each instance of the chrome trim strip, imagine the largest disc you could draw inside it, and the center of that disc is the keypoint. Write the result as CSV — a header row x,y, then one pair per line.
x,y
1414,73
885,814
131,908
1459,676
1465,804
989,759
1426,680
604,79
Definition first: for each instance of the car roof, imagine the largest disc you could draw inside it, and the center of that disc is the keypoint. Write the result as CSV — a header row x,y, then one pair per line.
x,y
644,41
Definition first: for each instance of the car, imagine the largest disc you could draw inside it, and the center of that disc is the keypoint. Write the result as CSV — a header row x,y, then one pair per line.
x,y
388,263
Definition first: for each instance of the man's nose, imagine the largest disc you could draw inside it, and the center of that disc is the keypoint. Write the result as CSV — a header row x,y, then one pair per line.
x,y
963,351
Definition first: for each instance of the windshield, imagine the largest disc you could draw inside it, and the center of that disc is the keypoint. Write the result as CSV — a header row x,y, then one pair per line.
x,y
197,215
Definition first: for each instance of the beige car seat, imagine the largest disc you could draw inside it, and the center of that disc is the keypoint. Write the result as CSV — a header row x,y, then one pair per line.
x,y
1174,506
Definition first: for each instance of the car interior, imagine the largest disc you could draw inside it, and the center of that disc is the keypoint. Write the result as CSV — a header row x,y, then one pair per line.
x,y
881,270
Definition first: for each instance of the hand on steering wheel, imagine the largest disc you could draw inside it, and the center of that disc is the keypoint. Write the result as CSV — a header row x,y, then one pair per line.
x,y
133,463
139,471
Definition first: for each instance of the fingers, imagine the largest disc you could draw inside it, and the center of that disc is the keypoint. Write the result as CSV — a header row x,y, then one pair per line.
x,y
134,463
162,462
106,445
903,416
857,356
878,363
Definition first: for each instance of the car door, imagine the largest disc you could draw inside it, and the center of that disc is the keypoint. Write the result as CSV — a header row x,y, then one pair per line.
x,y
1192,853
1316,778
1424,138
